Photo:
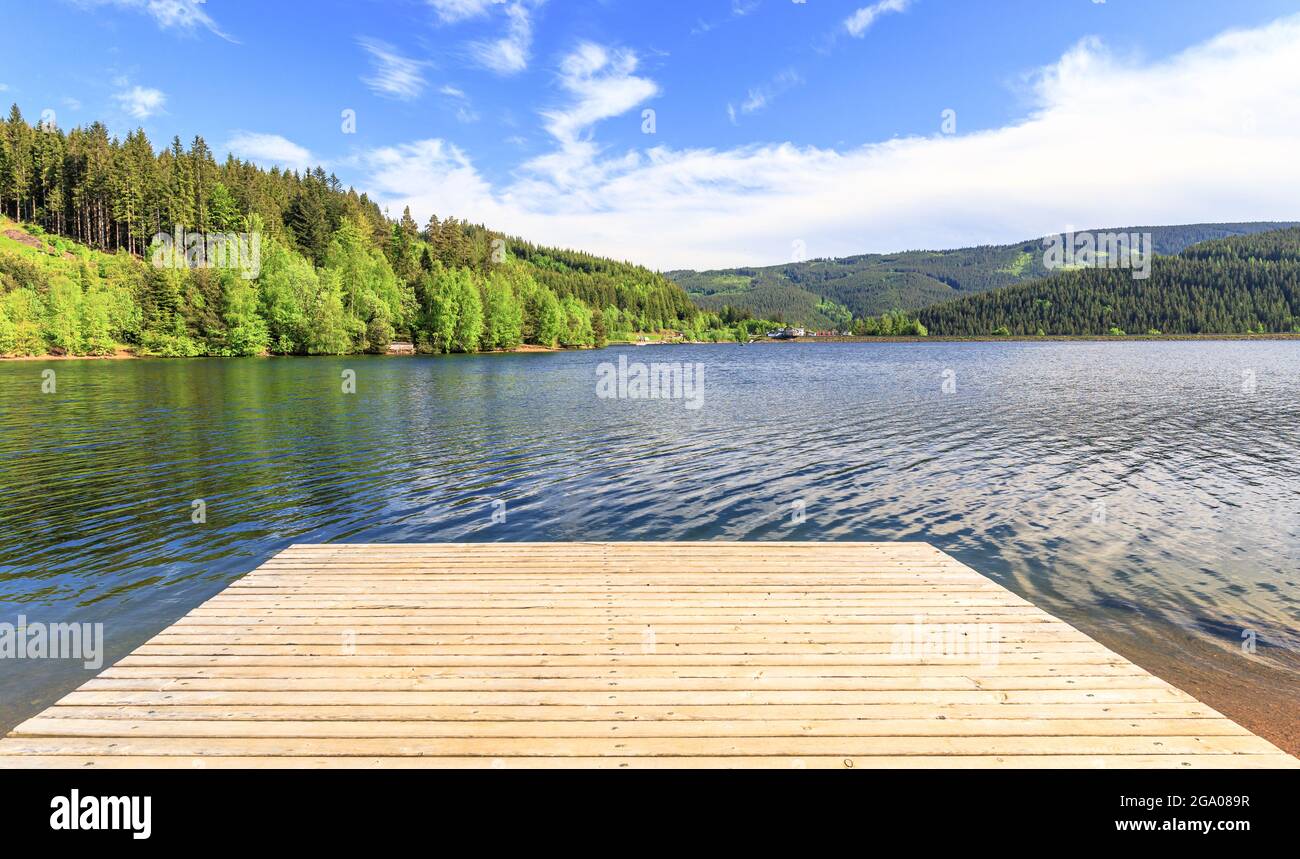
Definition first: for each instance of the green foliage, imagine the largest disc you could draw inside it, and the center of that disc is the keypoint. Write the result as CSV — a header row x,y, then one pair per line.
x,y
63,319
224,214
451,311
289,291
650,300
329,330
872,284
896,323
246,331
336,276
469,313
503,314
97,324
24,309
8,333
577,331
379,335
1243,284
370,289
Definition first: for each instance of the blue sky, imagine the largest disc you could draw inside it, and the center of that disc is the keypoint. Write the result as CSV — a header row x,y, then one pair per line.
x,y
776,123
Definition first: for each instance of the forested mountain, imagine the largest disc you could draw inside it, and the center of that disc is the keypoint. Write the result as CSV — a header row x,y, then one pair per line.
x,y
82,271
334,274
1240,285
823,293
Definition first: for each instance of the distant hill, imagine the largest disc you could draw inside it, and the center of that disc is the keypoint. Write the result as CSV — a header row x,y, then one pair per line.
x,y
1248,283
825,293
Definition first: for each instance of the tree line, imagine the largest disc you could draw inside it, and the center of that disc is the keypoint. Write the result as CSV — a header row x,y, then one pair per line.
x,y
1240,285
336,275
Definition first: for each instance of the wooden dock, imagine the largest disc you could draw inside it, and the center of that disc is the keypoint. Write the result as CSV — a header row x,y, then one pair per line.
x,y
626,655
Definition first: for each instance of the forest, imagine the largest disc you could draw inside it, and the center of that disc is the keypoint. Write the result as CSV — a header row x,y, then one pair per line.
x,y
79,270
820,293
82,213
1246,284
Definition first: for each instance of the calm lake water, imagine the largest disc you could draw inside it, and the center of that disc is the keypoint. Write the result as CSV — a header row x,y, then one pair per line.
x,y
1148,493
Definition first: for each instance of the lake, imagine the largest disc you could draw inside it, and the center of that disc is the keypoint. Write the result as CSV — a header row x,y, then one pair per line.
x,y
1147,493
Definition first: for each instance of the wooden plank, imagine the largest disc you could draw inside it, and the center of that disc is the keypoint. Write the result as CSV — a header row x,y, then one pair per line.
x,y
1199,761
713,746
1105,669
47,727
672,697
721,654
634,712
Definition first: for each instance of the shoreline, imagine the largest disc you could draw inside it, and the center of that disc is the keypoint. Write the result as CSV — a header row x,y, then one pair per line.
x,y
1263,698
128,355
530,349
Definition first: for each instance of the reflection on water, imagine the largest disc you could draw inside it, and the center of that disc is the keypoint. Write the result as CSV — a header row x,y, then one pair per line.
x,y
1144,492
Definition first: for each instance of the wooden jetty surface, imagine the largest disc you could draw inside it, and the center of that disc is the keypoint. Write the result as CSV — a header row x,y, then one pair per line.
x,y
626,655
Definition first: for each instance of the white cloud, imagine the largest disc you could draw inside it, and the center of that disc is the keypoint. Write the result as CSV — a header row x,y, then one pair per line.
x,y
464,107
141,102
185,15
439,169
270,150
510,53
739,9
452,11
601,84
860,21
760,97
1206,135
393,75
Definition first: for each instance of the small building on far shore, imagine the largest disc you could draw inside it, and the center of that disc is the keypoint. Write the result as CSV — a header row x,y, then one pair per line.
x,y
401,349
786,334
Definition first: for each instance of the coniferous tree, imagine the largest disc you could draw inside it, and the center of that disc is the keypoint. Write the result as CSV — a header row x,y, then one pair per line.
x,y
335,274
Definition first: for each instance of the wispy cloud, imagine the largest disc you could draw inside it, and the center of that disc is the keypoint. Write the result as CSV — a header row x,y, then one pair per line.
x,y
393,75
270,150
452,11
860,21
760,97
509,54
437,169
184,15
1075,159
739,9
601,83
140,102
464,108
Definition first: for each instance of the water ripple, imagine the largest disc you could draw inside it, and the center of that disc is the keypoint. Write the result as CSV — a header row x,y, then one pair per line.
x,y
1136,490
